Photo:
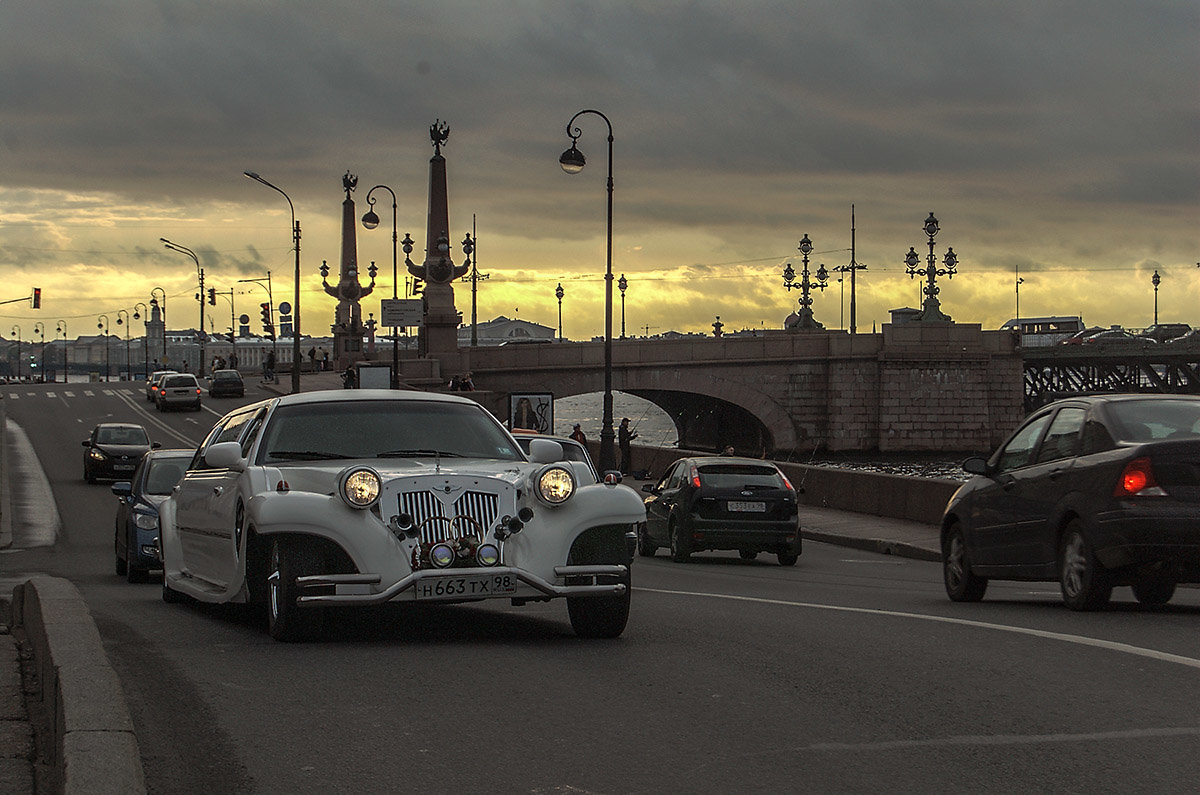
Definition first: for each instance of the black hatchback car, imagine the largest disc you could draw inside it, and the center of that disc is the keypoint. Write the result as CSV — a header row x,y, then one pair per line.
x,y
113,450
1094,492
722,502
226,383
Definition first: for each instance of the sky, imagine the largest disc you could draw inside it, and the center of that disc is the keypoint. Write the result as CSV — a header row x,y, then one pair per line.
x,y
1056,142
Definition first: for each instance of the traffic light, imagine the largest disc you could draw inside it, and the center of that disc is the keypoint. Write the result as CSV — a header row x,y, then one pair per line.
x,y
212,295
268,325
37,297
418,285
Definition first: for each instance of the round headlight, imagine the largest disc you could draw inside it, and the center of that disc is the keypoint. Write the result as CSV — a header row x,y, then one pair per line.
x,y
487,555
360,488
556,485
441,555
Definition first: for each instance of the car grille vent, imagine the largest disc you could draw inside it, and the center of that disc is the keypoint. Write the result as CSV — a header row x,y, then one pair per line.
x,y
474,512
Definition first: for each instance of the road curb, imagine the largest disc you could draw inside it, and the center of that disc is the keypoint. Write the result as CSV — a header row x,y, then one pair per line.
x,y
94,744
884,546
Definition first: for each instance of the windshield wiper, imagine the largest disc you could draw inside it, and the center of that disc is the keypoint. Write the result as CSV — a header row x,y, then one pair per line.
x,y
310,455
417,454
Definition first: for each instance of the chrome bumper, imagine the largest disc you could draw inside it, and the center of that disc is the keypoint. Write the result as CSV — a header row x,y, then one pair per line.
x,y
399,587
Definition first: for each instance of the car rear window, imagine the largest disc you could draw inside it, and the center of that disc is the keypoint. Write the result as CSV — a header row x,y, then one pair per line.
x,y
738,475
179,380
1151,420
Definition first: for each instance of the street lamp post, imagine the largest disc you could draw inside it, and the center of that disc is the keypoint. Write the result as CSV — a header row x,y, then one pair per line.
x,y
806,319
1019,282
270,300
572,162
1155,279
199,296
622,284
103,326
931,309
296,298
39,328
146,336
558,293
370,220
161,303
128,361
16,330
62,329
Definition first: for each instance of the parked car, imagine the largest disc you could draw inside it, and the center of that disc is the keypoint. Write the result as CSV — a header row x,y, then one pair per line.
x,y
1094,492
1162,332
722,502
135,529
152,383
226,383
1189,338
1079,336
113,449
358,497
1116,336
178,390
577,453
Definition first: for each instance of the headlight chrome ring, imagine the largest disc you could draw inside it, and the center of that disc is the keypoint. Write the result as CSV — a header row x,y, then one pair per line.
x,y
555,485
360,488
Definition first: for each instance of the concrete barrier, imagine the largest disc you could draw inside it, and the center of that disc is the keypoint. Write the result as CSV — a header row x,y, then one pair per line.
x,y
95,747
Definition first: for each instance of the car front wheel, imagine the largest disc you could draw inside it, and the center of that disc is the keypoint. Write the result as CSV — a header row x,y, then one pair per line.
x,y
961,584
646,548
787,558
1084,582
133,572
287,620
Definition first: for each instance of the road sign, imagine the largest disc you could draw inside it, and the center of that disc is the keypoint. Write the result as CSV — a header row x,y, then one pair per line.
x,y
401,312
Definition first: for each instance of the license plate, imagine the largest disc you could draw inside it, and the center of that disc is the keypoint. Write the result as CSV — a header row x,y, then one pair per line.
x,y
747,507
476,586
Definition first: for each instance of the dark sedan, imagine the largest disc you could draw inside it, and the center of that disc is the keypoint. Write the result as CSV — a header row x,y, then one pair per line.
x,y
113,450
1094,492
135,530
226,383
721,502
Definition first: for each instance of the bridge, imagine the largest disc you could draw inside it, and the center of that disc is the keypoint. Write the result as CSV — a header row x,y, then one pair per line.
x,y
1128,366
913,387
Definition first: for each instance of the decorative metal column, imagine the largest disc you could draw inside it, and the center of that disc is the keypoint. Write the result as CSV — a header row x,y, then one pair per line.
x,y
805,320
931,310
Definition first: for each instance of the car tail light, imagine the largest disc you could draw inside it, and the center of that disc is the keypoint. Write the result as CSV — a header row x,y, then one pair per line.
x,y
695,477
787,484
1137,480
197,390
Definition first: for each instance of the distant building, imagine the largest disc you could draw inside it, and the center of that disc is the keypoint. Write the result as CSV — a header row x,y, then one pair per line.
x,y
503,329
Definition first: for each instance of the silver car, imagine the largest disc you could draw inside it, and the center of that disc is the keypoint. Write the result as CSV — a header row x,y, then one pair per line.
x,y
180,390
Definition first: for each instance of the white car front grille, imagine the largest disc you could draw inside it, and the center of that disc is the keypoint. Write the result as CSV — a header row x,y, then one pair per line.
x,y
472,514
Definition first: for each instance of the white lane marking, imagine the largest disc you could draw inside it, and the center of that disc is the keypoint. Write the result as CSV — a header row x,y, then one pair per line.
x,y
136,405
1081,640
69,394
13,396
88,393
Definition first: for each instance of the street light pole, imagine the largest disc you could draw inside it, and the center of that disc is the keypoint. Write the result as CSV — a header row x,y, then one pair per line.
x,y
572,162
17,333
199,297
558,293
62,329
102,324
622,283
931,308
145,337
1155,279
39,328
161,303
270,300
370,220
125,322
296,297
805,319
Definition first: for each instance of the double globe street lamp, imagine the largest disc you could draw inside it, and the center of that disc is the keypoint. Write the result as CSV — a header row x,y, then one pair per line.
x,y
572,162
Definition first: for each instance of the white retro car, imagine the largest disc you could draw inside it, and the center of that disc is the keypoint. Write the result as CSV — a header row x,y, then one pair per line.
x,y
356,497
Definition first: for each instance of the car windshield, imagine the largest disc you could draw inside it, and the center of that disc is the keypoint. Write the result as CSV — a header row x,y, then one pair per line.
x,y
164,474
1151,420
379,428
122,436
734,476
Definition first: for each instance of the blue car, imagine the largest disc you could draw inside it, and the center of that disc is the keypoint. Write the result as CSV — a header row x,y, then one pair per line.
x,y
135,531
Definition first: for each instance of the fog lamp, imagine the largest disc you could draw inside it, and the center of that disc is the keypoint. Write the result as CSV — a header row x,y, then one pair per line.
x,y
487,555
441,555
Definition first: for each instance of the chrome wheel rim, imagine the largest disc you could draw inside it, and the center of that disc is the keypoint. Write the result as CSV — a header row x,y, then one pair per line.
x,y
273,581
1075,566
955,562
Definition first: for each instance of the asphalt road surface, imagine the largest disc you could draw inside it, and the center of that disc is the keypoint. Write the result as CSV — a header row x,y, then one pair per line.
x,y
849,672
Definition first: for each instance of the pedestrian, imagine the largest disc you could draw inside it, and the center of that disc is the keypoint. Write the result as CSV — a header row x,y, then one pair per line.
x,y
728,450
624,437
467,384
312,359
578,436
325,360
348,378
269,367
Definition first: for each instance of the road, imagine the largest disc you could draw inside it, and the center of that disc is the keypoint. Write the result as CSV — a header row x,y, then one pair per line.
x,y
848,672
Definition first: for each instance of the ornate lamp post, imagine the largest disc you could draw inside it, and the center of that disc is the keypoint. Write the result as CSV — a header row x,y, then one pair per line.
x,y
161,303
931,309
145,337
806,320
558,293
16,330
39,328
62,329
1155,279
622,284
270,300
370,220
296,298
103,326
572,162
475,278
199,296
120,322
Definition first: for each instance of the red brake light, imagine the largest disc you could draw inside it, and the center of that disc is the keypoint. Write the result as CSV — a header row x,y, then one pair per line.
x,y
695,477
787,484
197,390
1137,480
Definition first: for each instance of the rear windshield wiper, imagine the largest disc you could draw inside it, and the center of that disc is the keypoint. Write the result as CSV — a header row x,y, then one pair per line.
x,y
417,454
310,455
